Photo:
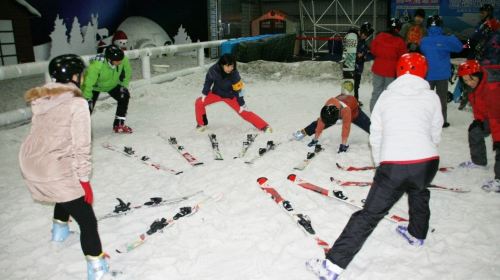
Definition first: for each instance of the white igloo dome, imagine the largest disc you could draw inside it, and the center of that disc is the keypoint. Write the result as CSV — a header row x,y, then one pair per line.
x,y
143,32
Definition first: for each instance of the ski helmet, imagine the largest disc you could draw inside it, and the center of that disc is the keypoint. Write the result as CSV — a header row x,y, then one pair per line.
x,y
419,13
395,24
468,67
434,20
366,28
63,67
412,63
329,114
113,53
488,8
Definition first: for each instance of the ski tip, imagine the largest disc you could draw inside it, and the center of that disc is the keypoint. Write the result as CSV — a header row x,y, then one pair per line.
x,y
261,180
338,165
180,172
292,177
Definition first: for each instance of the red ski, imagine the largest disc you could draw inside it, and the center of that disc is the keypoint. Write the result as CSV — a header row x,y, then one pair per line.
x,y
364,168
303,221
335,194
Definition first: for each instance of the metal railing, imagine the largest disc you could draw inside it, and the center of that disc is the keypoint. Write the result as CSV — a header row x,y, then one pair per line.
x,y
37,68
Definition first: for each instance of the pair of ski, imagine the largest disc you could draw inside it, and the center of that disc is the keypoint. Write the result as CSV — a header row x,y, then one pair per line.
x,y
161,224
246,145
123,208
367,184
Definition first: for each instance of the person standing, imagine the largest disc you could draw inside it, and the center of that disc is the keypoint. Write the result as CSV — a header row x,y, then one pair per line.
x,y
110,72
55,157
362,55
405,131
223,83
414,31
483,83
387,48
436,47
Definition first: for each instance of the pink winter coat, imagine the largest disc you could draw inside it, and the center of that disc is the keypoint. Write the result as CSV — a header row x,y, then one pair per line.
x,y
56,154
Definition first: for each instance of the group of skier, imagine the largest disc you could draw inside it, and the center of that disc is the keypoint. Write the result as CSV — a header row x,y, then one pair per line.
x,y
407,117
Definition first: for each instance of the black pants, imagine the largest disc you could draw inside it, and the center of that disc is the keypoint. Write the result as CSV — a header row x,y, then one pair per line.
x,y
391,181
477,146
357,81
362,121
121,95
85,217
441,87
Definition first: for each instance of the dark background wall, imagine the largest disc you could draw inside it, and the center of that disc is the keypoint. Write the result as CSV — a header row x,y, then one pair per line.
x,y
192,14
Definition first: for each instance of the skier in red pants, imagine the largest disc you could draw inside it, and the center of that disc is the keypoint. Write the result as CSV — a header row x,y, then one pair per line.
x,y
223,83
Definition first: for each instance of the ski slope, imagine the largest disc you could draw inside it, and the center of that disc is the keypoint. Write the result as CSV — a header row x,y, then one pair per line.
x,y
245,235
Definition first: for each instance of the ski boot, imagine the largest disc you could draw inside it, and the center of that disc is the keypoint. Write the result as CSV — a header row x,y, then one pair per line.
x,y
324,269
267,129
96,267
491,186
201,128
298,135
403,231
470,165
60,231
120,127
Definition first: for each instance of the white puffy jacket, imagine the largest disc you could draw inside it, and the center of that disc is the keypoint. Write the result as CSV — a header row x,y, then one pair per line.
x,y
406,122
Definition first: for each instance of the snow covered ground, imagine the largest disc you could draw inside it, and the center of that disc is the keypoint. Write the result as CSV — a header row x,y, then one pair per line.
x,y
245,235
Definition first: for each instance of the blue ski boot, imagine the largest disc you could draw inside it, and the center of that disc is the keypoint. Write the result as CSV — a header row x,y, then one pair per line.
x,y
60,231
403,231
324,269
96,267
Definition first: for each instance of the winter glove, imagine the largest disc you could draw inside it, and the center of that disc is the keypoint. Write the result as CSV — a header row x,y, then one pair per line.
x,y
476,124
496,146
313,143
240,100
124,92
89,196
343,148
91,105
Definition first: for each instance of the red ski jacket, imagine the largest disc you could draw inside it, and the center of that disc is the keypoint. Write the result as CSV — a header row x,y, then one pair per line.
x,y
387,48
485,99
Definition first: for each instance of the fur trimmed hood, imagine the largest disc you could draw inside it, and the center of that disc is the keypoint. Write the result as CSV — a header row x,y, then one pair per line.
x,y
50,95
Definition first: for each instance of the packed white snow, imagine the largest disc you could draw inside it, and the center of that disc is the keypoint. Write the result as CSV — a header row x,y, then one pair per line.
x,y
245,235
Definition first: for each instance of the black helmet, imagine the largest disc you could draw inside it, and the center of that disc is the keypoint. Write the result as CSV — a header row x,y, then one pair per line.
x,y
113,53
63,67
419,13
488,8
330,114
434,20
366,28
394,24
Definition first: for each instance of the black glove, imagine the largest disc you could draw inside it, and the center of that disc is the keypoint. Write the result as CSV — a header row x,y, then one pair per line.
x,y
476,124
91,105
240,100
343,148
124,92
313,142
496,146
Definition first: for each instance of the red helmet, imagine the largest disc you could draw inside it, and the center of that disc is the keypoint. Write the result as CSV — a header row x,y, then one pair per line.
x,y
468,67
412,63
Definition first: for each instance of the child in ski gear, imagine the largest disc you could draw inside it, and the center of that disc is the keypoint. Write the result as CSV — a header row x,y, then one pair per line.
x,y
437,48
110,72
405,131
55,156
362,55
413,31
223,83
343,107
484,96
386,48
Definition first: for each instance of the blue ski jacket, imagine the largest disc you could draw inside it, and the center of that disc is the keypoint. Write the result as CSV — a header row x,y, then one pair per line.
x,y
436,47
